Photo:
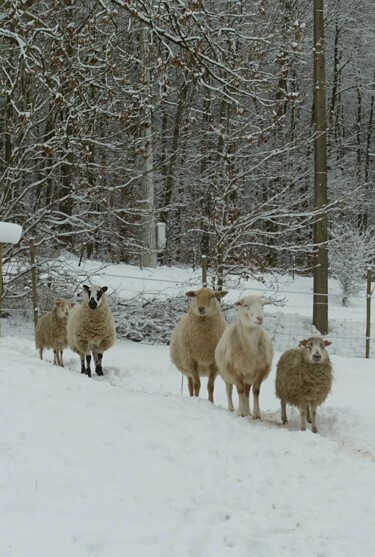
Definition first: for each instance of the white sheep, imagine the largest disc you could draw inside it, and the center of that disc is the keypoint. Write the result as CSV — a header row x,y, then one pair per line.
x,y
50,331
304,379
91,328
195,337
244,355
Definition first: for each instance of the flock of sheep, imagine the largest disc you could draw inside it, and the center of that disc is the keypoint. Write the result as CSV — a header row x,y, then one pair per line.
x,y
202,344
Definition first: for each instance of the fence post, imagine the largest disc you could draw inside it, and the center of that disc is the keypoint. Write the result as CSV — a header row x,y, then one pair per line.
x,y
1,279
33,280
204,271
368,312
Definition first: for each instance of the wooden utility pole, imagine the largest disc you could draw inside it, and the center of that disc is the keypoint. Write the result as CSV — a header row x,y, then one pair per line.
x,y
320,309
148,254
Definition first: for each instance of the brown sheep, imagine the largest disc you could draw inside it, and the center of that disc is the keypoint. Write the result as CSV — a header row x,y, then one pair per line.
x,y
195,337
304,379
50,331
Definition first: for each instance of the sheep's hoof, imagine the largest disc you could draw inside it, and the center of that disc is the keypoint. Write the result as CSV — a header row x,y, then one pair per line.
x,y
314,429
99,371
285,422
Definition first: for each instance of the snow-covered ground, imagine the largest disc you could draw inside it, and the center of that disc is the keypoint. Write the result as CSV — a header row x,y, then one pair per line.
x,y
129,465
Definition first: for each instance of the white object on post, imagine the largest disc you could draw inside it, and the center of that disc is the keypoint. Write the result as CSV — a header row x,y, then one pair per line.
x,y
10,233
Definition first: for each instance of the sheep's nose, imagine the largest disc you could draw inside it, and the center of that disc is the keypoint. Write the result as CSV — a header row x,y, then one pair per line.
x,y
316,357
202,310
260,320
92,304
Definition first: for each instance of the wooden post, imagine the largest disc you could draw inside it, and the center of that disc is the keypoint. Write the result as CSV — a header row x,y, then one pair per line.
x,y
320,308
204,271
33,281
368,313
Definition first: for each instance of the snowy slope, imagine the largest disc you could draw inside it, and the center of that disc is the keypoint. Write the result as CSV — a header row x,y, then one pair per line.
x,y
126,466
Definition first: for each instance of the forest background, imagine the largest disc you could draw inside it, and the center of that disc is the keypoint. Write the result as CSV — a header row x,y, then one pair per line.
x,y
209,105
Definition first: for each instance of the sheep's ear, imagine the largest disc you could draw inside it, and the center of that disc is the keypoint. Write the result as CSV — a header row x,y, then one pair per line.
x,y
266,301
190,294
72,304
220,294
327,343
86,288
303,342
105,288
238,304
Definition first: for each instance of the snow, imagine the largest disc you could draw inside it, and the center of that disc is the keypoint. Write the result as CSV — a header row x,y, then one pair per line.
x,y
129,465
10,233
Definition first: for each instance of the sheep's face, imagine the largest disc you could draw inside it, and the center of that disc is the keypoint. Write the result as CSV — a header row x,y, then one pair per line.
x,y
250,310
94,295
314,350
204,302
63,307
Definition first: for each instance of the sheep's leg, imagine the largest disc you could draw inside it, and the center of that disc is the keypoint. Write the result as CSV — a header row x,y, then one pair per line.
x,y
41,353
196,379
314,429
98,357
247,399
55,357
302,411
308,414
88,364
82,358
191,386
211,383
256,409
229,389
59,358
242,410
284,417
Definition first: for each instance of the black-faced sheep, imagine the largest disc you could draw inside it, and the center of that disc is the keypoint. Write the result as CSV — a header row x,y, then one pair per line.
x,y
50,331
91,328
244,354
304,379
195,337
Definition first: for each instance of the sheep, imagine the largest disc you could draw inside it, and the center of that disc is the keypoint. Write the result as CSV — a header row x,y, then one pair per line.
x,y
244,355
304,379
194,339
91,328
50,331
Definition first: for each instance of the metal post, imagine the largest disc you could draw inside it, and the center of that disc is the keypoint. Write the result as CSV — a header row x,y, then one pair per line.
x,y
1,279
368,313
33,281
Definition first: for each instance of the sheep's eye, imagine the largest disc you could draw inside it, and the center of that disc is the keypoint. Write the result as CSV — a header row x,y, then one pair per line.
x,y
246,306
322,346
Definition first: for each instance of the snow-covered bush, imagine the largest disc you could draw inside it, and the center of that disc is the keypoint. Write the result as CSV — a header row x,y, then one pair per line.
x,y
351,252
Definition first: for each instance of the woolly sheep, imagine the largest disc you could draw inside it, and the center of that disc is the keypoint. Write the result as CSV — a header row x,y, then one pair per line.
x,y
304,379
195,337
244,355
50,331
91,328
